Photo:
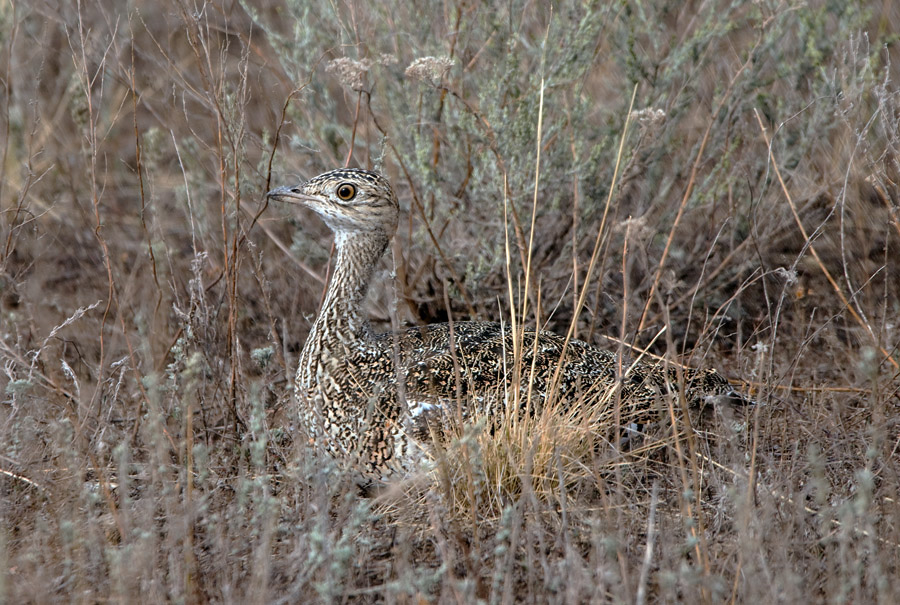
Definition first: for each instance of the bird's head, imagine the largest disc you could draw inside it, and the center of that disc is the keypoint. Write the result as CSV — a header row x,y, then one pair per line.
x,y
349,200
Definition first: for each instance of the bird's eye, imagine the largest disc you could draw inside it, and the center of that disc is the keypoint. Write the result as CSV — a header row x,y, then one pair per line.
x,y
346,191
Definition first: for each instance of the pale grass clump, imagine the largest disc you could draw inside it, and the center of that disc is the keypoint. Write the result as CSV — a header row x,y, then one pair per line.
x,y
489,462
516,443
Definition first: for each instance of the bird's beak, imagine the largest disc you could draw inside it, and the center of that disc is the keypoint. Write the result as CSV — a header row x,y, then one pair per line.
x,y
291,195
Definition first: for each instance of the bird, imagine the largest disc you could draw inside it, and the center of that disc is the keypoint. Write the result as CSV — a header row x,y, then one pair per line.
x,y
376,402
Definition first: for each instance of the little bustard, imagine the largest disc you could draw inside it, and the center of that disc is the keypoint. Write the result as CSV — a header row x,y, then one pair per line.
x,y
372,401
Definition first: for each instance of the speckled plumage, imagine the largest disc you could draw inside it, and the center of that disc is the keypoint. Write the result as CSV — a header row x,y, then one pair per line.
x,y
377,415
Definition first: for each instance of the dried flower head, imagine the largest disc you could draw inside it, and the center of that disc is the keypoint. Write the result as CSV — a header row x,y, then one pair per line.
x,y
388,59
351,72
648,116
636,229
788,275
429,69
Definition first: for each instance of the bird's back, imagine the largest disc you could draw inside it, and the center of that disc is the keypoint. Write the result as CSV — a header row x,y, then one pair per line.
x,y
474,359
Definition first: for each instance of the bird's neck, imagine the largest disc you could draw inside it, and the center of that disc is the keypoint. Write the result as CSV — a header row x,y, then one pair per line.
x,y
341,325
357,255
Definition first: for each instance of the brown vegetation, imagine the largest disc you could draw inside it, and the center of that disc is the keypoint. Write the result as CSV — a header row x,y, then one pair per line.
x,y
741,212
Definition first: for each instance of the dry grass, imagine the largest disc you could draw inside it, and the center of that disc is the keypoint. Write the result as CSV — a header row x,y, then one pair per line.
x,y
152,306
